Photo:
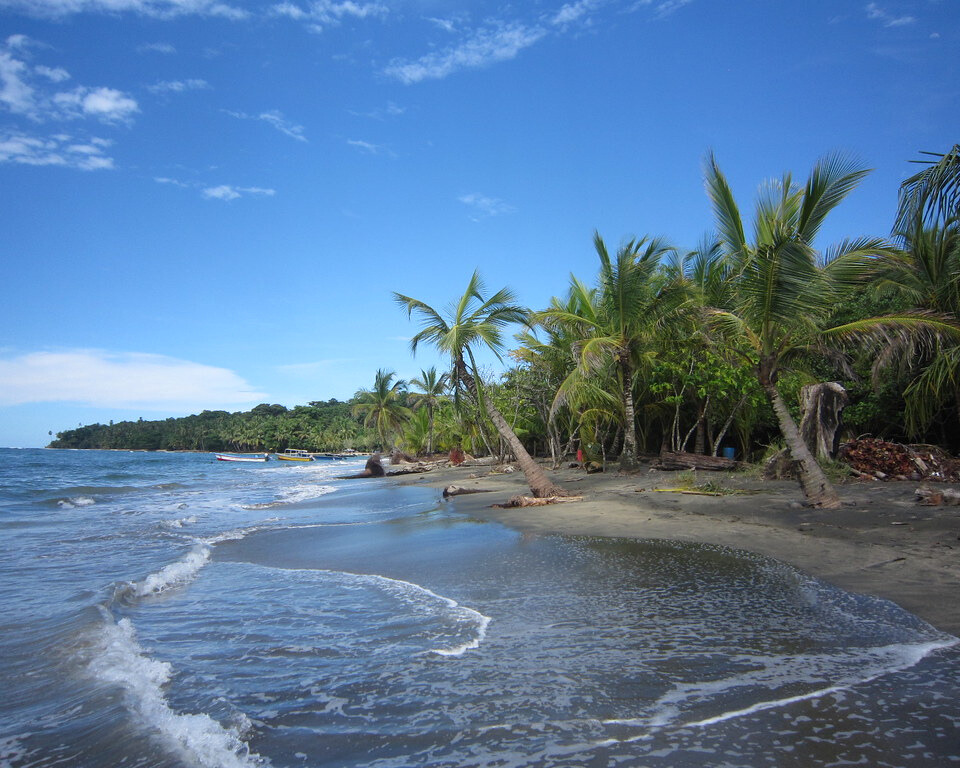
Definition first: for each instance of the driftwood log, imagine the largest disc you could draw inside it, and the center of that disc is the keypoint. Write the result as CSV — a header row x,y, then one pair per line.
x,y
457,490
680,460
821,406
934,498
532,501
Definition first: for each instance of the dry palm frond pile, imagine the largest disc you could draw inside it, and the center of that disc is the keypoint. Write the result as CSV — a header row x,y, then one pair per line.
x,y
875,459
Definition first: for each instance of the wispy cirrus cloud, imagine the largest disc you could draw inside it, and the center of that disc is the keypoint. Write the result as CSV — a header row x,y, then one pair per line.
x,y
165,48
161,9
178,86
485,46
219,192
876,13
275,119
366,146
483,207
119,380
324,13
381,113
662,8
57,150
228,192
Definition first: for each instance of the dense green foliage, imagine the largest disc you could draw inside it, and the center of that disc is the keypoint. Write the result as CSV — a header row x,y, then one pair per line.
x,y
319,426
698,352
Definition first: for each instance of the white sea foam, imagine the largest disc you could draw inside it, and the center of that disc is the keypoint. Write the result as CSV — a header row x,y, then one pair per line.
x,y
179,522
847,670
12,752
76,501
174,574
118,659
415,594
294,495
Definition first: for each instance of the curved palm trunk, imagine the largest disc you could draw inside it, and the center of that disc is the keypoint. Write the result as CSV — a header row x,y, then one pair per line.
x,y
540,485
628,457
816,488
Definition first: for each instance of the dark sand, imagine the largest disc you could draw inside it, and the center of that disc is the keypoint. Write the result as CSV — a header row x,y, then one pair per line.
x,y
882,543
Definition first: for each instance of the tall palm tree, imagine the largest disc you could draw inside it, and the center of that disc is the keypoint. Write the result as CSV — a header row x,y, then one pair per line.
x,y
619,321
381,406
432,388
471,321
781,292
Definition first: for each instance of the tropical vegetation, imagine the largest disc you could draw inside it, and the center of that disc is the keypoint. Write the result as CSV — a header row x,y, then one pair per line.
x,y
663,349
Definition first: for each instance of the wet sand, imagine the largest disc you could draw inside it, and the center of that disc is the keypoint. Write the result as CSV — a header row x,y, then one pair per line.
x,y
882,542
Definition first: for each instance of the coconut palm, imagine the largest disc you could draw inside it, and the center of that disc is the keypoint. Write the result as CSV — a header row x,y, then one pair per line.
x,y
432,388
619,322
476,320
933,194
924,275
381,407
781,293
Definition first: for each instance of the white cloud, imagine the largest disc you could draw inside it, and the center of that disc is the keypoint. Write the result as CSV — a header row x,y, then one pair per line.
x,y
163,9
27,91
276,119
327,12
366,146
391,110
875,12
484,207
156,48
178,86
662,8
572,12
53,74
445,24
228,192
60,150
485,47
119,380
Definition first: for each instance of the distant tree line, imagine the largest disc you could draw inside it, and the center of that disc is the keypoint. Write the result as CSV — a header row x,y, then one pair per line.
x,y
320,426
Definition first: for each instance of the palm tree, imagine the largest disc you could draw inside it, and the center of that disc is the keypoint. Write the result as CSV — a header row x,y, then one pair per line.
x,y
471,321
925,275
781,293
933,194
432,388
381,406
619,321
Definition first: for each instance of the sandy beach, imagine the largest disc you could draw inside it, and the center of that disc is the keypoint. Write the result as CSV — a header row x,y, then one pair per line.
x,y
881,542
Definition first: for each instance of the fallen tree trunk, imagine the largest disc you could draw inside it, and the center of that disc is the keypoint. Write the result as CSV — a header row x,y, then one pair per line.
x,y
457,490
680,460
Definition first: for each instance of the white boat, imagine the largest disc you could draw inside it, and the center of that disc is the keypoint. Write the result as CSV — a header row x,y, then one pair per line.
x,y
258,457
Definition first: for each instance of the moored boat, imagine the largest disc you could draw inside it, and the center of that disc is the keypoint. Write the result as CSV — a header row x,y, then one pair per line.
x,y
295,454
257,457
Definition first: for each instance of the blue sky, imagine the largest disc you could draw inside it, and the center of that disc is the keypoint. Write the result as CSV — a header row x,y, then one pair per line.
x,y
206,204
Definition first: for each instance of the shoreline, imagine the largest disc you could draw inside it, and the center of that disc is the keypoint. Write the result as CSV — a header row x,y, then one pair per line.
x,y
881,542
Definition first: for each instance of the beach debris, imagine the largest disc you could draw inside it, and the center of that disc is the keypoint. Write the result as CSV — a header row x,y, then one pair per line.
x,y
457,490
373,468
399,457
680,460
878,459
933,498
532,501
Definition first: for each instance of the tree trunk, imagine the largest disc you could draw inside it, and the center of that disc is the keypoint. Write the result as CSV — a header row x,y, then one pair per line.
x,y
821,406
816,488
540,485
628,457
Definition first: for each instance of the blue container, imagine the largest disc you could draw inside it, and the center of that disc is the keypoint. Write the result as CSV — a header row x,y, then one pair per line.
x,y
729,452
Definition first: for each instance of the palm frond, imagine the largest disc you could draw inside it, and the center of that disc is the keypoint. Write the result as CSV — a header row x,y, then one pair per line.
x,y
832,179
729,222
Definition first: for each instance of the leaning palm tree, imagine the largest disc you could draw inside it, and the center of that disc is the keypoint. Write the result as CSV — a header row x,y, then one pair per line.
x,y
781,293
381,406
619,321
432,388
475,320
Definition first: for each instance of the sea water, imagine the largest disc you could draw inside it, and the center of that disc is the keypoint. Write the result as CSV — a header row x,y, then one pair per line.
x,y
172,610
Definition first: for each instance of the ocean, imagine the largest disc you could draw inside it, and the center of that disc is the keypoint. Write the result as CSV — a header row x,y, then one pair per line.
x,y
170,610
